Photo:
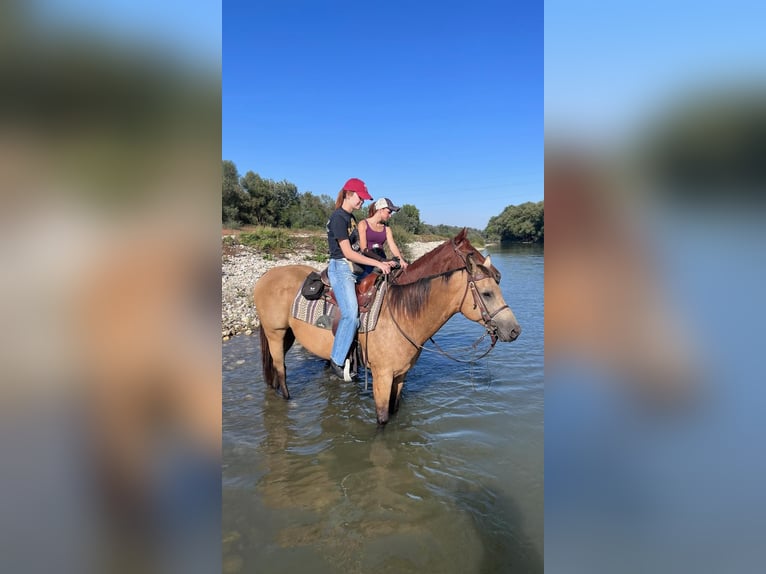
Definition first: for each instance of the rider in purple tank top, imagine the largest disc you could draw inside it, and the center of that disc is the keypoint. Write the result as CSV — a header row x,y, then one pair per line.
x,y
375,239
374,232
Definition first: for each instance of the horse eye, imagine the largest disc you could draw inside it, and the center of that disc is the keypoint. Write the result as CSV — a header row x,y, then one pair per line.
x,y
487,294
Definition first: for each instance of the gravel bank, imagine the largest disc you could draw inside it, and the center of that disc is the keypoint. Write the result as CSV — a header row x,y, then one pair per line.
x,y
242,266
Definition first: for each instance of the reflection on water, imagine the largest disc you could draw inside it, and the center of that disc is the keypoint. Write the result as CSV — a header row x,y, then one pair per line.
x,y
452,484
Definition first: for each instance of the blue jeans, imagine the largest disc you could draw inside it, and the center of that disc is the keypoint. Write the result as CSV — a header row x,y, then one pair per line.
x,y
343,283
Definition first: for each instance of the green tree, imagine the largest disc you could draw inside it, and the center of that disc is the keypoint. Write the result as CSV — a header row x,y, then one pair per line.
x,y
407,218
235,202
283,198
522,223
311,211
271,203
475,236
260,196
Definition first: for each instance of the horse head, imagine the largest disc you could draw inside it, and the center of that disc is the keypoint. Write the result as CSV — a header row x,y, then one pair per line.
x,y
488,306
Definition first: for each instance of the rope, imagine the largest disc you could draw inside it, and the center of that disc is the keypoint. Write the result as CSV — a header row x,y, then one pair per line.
x,y
439,349
485,315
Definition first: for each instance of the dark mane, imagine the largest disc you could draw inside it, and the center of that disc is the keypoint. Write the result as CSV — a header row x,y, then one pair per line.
x,y
409,299
440,260
411,289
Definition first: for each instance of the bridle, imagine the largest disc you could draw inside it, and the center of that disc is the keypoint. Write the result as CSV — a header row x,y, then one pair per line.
x,y
486,317
478,302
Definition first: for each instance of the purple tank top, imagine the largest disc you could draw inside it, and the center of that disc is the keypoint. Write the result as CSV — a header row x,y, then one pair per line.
x,y
375,238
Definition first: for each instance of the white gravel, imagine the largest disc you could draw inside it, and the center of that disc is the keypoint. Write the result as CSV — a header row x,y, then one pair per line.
x,y
240,271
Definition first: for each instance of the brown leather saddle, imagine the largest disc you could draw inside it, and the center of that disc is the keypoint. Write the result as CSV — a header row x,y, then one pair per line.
x,y
365,290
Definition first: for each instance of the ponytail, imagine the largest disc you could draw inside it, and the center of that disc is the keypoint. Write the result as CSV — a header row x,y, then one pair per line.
x,y
340,198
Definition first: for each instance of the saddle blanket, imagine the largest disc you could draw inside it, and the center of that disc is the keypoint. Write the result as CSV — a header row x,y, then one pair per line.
x,y
320,311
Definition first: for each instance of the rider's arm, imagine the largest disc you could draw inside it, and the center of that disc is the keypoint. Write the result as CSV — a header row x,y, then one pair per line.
x,y
355,256
394,247
362,234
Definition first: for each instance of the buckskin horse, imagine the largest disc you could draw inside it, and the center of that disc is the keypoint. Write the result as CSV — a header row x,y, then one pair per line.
x,y
454,277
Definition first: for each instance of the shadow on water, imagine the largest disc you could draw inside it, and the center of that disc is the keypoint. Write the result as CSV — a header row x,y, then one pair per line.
x,y
498,522
312,483
351,497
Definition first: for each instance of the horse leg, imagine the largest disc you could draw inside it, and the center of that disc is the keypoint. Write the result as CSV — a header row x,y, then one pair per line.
x,y
396,393
287,343
274,345
383,392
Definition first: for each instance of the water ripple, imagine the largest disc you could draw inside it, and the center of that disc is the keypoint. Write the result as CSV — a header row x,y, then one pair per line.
x,y
452,484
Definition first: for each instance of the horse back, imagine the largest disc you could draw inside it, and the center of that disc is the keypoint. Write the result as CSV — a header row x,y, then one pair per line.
x,y
275,291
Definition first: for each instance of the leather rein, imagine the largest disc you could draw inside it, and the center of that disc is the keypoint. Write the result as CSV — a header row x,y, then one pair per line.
x,y
478,302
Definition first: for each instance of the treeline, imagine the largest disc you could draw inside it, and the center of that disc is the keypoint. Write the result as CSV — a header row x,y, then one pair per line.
x,y
253,200
519,223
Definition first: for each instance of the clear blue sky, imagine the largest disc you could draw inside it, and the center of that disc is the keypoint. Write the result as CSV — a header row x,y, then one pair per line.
x,y
435,104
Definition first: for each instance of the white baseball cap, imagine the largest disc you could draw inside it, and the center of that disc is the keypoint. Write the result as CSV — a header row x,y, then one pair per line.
x,y
385,202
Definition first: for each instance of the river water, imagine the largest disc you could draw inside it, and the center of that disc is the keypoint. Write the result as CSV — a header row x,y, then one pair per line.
x,y
453,483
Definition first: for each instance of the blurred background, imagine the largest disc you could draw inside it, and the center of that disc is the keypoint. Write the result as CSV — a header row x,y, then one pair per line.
x,y
655,118
110,177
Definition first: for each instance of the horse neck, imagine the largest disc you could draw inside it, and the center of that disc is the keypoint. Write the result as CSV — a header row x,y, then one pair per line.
x,y
439,261
444,299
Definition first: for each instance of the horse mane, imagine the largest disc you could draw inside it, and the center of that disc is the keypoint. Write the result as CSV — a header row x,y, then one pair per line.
x,y
412,286
439,260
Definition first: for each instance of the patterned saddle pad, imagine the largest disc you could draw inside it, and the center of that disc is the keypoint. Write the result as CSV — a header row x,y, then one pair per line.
x,y
321,312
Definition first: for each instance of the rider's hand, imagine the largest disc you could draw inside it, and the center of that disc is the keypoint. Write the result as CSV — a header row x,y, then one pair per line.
x,y
385,266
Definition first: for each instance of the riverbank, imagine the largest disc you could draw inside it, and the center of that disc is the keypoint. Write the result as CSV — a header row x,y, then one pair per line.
x,y
242,266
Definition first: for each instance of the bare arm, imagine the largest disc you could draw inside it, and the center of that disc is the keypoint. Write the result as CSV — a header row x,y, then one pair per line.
x,y
363,234
394,247
351,255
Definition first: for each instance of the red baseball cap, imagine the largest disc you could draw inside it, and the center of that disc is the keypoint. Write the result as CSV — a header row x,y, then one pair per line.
x,y
358,186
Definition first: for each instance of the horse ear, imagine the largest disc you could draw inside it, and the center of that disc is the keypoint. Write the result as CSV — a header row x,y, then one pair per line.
x,y
488,262
470,263
461,236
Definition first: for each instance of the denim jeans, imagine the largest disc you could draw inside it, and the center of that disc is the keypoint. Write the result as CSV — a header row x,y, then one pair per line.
x,y
343,283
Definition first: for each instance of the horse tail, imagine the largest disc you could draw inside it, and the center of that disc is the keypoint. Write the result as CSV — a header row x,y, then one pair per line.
x,y
269,371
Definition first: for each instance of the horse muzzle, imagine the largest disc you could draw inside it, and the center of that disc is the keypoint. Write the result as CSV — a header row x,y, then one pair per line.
x,y
506,330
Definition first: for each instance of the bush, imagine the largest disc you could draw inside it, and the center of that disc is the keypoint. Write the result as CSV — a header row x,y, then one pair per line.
x,y
317,244
268,240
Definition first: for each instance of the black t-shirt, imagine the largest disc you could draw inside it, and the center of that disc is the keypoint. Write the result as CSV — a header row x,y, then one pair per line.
x,y
342,225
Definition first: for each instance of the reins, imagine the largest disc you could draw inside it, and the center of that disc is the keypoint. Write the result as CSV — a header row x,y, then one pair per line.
x,y
478,302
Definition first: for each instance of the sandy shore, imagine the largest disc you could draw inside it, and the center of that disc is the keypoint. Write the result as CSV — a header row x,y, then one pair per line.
x,y
242,266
